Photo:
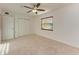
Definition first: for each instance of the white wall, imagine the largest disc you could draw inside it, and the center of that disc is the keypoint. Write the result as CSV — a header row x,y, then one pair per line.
x,y
32,25
65,25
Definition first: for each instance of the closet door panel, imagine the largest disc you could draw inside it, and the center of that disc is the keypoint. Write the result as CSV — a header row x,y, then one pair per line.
x,y
21,27
8,27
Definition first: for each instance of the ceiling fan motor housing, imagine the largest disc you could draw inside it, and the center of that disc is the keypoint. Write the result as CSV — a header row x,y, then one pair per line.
x,y
7,13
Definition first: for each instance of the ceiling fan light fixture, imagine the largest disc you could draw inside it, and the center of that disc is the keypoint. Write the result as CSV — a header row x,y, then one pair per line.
x,y
34,10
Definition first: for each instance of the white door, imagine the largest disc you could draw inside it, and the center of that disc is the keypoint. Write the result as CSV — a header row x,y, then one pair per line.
x,y
21,27
8,27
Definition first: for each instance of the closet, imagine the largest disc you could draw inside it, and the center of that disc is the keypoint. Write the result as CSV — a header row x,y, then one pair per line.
x,y
13,27
21,27
8,27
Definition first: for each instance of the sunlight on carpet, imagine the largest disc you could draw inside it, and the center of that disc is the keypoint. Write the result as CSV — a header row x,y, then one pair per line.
x,y
4,48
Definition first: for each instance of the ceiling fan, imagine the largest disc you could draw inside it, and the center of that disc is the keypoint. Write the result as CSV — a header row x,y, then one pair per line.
x,y
35,8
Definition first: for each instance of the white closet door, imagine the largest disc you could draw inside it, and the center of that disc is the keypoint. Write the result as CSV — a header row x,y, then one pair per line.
x,y
8,27
21,27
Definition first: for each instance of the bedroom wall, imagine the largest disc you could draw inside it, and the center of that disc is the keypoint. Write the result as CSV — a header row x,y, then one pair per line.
x,y
32,25
65,25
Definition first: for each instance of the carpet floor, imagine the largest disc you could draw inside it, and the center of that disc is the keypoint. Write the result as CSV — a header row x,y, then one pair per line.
x,y
36,45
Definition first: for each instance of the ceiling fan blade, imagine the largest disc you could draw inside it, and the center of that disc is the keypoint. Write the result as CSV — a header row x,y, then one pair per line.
x,y
40,9
38,4
29,11
28,7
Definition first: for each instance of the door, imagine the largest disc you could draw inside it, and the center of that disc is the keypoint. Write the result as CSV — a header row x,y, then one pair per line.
x,y
21,27
8,27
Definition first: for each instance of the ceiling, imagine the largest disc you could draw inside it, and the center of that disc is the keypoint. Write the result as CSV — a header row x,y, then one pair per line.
x,y
18,9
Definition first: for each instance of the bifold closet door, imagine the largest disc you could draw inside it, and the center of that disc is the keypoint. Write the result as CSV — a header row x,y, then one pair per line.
x,y
21,27
8,27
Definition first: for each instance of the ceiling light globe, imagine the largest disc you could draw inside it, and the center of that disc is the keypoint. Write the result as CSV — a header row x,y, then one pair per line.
x,y
34,10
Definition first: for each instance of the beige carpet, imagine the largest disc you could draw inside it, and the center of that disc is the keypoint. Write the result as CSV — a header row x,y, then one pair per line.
x,y
35,45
